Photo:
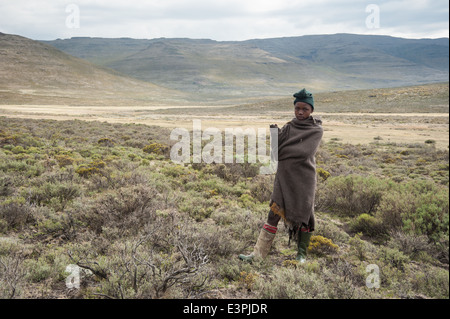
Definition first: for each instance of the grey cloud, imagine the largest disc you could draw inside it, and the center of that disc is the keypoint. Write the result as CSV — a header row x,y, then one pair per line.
x,y
219,19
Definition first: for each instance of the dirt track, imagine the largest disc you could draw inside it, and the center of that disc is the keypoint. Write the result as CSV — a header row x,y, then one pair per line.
x,y
355,128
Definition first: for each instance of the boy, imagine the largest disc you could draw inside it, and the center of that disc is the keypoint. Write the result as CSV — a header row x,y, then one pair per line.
x,y
295,181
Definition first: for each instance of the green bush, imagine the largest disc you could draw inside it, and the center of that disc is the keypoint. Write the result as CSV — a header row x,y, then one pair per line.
x,y
429,220
351,195
323,173
37,270
174,170
5,185
368,225
433,282
13,166
410,244
322,246
231,172
106,142
393,257
64,160
197,207
18,150
358,246
288,283
127,209
12,272
419,207
261,187
246,201
16,212
93,168
55,195
156,148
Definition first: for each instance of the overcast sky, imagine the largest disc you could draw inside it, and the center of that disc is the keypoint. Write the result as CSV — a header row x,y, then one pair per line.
x,y
222,19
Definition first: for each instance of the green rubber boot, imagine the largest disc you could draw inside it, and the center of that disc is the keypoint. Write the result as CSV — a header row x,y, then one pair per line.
x,y
247,258
303,243
262,247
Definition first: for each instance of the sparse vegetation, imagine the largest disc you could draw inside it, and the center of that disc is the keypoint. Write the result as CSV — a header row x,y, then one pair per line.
x,y
141,226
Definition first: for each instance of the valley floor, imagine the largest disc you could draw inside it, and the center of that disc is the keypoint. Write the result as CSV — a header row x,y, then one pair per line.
x,y
354,128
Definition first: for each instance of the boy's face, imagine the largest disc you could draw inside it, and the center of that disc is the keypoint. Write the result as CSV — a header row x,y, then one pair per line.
x,y
302,110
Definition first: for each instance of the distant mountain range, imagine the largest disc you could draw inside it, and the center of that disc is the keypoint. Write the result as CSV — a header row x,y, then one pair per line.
x,y
101,71
263,67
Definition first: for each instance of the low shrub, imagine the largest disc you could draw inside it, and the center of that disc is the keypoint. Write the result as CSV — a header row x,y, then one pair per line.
x,y
94,167
106,142
12,270
18,150
420,208
358,247
156,148
5,186
323,173
164,262
38,270
330,230
393,257
368,225
197,207
261,187
55,195
232,172
248,279
291,283
410,244
64,160
230,269
16,212
322,246
433,282
351,195
127,209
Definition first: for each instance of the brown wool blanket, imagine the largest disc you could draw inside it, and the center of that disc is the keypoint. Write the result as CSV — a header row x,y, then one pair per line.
x,y
295,180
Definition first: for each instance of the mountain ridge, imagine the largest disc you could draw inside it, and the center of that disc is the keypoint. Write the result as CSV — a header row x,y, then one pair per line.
x,y
271,66
32,71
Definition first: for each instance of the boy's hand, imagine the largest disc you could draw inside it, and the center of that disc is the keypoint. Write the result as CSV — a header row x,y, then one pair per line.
x,y
273,126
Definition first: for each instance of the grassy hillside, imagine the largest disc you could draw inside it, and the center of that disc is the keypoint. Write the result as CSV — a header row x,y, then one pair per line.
x,y
33,72
430,98
105,197
270,66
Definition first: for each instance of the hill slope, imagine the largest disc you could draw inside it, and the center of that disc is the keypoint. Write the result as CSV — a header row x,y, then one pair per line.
x,y
270,66
34,72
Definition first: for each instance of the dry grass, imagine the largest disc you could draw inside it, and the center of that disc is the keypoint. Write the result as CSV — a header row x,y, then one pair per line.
x,y
128,210
400,115
143,225
354,128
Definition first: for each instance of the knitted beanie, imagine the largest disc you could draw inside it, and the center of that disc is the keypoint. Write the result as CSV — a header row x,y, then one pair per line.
x,y
304,96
